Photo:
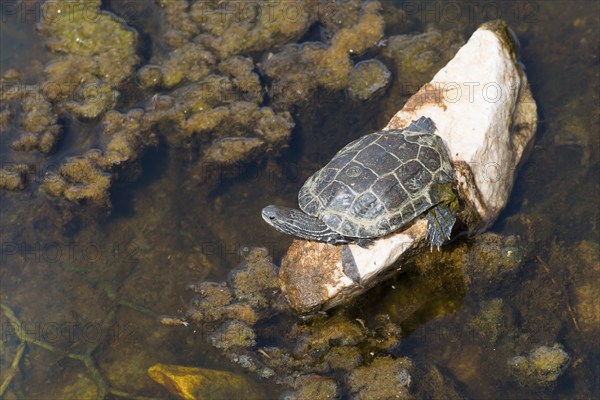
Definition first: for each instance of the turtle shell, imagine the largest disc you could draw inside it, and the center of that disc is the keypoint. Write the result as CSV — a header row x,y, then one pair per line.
x,y
380,182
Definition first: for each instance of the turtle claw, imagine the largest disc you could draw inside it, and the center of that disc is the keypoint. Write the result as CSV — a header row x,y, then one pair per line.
x,y
440,222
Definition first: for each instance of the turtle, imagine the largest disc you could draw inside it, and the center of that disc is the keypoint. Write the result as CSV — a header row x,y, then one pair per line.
x,y
373,186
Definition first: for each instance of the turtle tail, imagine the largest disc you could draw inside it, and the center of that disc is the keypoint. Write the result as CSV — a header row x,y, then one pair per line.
x,y
423,124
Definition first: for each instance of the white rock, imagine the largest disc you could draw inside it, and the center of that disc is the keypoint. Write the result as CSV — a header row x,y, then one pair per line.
x,y
482,107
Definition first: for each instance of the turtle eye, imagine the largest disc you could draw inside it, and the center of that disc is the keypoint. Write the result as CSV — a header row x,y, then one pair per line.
x,y
271,217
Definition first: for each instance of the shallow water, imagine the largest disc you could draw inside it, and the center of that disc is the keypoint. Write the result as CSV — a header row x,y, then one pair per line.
x,y
94,282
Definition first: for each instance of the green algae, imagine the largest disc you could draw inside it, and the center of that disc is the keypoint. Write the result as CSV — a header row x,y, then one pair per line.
x,y
36,118
541,367
320,336
217,97
190,63
367,79
42,125
233,334
96,54
329,65
314,387
88,177
79,179
384,378
418,57
261,25
255,279
488,324
13,177
434,385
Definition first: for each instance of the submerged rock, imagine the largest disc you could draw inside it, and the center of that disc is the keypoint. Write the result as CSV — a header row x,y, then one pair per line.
x,y
79,178
97,56
89,177
190,383
434,385
40,123
583,262
298,70
418,57
367,79
233,334
541,367
493,259
384,378
14,177
313,387
488,324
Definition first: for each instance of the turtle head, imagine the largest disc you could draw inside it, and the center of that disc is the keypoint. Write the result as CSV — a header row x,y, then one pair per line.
x,y
296,223
281,218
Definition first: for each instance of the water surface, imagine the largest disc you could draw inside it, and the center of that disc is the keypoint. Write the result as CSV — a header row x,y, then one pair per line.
x,y
94,281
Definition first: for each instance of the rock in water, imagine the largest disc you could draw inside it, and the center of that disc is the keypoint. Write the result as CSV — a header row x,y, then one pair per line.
x,y
367,79
483,109
191,383
541,367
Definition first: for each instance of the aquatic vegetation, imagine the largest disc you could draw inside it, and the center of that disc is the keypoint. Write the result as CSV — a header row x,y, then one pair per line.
x,y
542,366
495,258
88,177
220,26
37,121
313,387
96,55
434,385
13,177
40,126
335,353
488,323
243,312
418,57
368,79
384,378
80,178
329,66
230,98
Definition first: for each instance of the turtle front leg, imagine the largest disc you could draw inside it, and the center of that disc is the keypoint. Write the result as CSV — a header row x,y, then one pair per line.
x,y
440,222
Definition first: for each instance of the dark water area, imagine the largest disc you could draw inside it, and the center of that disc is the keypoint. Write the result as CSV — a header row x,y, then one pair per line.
x,y
87,284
